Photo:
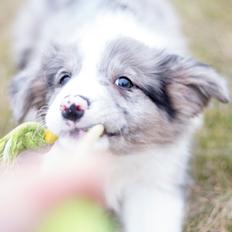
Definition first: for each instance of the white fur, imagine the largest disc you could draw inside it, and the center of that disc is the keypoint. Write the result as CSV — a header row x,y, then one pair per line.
x,y
147,184
144,188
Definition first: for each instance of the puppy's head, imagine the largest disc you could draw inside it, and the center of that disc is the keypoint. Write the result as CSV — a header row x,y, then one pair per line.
x,y
142,96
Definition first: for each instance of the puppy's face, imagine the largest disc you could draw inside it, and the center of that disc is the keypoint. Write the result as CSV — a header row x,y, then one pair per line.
x,y
141,95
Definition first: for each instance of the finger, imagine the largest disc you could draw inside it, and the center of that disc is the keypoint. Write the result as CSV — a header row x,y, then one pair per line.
x,y
93,134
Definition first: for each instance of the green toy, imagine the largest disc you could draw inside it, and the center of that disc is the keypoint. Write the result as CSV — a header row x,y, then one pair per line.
x,y
27,136
72,216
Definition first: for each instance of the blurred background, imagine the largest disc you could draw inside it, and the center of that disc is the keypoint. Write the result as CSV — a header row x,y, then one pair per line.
x,y
207,25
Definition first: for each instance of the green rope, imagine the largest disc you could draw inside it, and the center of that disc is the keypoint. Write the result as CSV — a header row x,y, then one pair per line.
x,y
27,136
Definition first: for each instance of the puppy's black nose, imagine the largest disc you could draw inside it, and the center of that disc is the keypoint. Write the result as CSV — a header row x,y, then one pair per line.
x,y
73,113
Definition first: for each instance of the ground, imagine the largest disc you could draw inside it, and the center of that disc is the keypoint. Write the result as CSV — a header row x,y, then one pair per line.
x,y
207,25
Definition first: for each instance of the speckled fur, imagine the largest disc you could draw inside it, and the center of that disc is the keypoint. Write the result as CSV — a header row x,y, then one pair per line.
x,y
150,125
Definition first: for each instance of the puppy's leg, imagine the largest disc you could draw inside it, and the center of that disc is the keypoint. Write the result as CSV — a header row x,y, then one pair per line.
x,y
152,211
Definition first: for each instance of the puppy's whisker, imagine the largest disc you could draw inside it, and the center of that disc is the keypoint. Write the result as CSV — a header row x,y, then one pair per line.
x,y
40,118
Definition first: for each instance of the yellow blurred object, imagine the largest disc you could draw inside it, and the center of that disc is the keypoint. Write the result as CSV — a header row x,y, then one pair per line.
x,y
50,138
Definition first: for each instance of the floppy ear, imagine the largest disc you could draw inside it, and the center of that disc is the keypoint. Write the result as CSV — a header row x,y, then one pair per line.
x,y
192,85
27,95
29,88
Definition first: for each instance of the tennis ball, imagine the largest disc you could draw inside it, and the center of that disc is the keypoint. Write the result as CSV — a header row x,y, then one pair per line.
x,y
78,216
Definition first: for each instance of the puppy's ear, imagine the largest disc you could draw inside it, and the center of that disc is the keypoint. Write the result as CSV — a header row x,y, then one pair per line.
x,y
27,94
192,85
29,88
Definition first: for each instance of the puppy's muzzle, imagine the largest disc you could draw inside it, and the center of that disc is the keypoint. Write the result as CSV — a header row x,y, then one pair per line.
x,y
73,107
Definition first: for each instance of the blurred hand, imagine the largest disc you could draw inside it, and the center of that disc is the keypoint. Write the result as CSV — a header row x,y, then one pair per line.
x,y
33,186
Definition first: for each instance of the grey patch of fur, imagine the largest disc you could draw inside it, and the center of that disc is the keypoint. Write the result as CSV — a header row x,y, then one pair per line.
x,y
59,4
141,64
58,58
36,16
149,67
192,85
189,84
31,89
27,94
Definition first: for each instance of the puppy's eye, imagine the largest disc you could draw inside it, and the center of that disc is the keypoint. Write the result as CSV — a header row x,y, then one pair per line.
x,y
64,79
124,82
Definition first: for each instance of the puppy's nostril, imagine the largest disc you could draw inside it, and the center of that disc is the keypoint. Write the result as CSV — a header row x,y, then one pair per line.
x,y
72,113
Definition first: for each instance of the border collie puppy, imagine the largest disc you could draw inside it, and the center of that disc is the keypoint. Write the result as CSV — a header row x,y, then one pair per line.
x,y
123,64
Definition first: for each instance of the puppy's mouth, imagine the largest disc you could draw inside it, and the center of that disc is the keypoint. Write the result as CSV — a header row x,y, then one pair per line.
x,y
78,133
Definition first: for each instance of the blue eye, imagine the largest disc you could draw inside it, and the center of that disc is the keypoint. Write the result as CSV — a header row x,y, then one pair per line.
x,y
64,79
124,82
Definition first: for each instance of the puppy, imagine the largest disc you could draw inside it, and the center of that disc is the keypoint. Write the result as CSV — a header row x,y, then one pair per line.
x,y
123,64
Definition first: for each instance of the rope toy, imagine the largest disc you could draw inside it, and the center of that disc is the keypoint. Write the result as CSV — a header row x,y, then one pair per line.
x,y
27,136
78,215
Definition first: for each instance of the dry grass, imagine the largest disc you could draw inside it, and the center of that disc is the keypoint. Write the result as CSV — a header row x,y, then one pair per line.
x,y
207,24
7,13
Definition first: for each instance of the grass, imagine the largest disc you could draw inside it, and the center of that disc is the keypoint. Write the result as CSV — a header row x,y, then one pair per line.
x,y
210,204
207,25
7,12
